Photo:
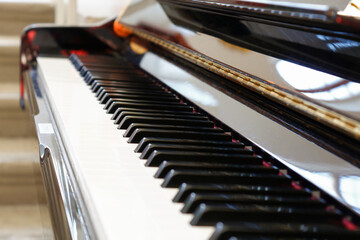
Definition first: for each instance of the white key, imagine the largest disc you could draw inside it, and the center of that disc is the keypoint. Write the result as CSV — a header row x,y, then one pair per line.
x,y
126,201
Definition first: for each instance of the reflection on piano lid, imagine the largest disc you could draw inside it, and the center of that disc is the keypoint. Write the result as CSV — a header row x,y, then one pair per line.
x,y
247,109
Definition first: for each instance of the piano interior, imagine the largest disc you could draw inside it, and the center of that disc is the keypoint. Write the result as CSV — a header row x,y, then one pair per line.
x,y
200,119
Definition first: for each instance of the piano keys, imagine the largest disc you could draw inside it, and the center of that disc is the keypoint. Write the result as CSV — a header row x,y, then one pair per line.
x,y
186,158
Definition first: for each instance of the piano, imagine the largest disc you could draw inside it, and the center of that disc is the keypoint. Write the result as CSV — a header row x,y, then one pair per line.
x,y
199,119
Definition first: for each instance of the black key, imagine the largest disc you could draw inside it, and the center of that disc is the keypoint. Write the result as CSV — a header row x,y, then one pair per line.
x,y
128,88
144,99
98,58
161,99
141,133
126,79
112,103
112,75
143,111
195,199
116,105
103,70
84,70
188,148
120,113
79,63
194,126
244,157
178,147
103,90
145,141
187,188
73,57
165,98
110,65
91,77
98,62
159,93
175,121
136,86
106,64
110,69
210,214
103,64
246,230
176,177
166,166
121,83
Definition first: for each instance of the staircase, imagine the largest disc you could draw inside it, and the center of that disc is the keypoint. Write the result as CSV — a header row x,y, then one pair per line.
x,y
22,204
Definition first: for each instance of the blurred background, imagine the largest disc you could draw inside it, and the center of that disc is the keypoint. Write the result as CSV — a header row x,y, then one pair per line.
x,y
23,209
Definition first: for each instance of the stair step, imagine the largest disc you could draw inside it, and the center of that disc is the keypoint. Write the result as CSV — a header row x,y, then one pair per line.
x,y
25,148
10,72
24,213
14,122
16,15
9,88
9,96
9,46
9,58
20,175
21,222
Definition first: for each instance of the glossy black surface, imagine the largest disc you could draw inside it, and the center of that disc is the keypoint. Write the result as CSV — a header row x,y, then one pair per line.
x,y
63,41
331,47
240,170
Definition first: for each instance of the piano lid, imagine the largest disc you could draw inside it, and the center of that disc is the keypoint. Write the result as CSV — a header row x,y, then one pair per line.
x,y
303,52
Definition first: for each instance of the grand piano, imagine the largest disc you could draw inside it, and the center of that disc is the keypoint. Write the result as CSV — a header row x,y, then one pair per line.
x,y
199,119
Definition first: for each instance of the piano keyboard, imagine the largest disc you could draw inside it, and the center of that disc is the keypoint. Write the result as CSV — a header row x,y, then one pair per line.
x,y
214,179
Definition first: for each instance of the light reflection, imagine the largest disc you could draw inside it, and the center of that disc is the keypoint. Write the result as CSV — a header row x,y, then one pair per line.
x,y
303,78
325,180
336,44
316,84
194,93
179,79
353,88
350,190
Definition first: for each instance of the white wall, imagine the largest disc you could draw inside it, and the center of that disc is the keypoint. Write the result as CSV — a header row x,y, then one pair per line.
x,y
100,8
337,4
